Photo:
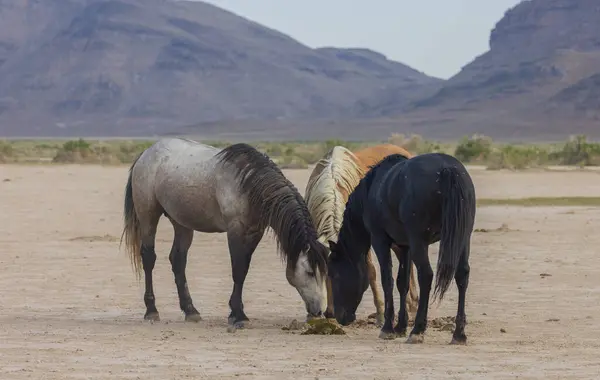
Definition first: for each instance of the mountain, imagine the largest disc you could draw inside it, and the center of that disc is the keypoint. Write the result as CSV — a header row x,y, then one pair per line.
x,y
156,67
539,79
144,67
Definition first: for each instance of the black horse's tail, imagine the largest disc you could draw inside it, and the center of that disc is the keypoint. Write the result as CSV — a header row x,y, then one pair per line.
x,y
457,215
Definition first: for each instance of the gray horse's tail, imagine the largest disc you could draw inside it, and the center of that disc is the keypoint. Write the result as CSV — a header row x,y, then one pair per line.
x,y
456,213
131,229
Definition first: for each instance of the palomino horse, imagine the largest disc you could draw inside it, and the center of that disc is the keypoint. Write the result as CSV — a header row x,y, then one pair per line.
x,y
333,179
237,190
411,203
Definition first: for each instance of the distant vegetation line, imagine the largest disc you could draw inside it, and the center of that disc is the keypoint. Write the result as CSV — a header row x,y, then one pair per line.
x,y
541,201
476,149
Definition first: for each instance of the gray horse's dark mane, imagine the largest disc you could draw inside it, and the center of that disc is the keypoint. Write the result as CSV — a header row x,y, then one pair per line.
x,y
276,202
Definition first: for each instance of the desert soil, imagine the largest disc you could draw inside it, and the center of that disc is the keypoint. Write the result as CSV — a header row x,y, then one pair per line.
x,y
71,307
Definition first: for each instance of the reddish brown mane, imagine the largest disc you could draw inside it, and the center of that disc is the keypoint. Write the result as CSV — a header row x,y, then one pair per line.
x,y
371,155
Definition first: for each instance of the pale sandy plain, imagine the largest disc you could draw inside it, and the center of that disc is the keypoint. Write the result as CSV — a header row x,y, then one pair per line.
x,y
70,307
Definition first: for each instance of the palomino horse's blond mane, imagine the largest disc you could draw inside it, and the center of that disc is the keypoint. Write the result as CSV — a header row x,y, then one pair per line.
x,y
328,188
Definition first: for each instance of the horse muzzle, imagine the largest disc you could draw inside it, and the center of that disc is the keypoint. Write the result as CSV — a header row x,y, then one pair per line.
x,y
344,318
310,316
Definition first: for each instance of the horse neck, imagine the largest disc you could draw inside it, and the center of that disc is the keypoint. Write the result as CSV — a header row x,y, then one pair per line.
x,y
329,190
354,236
292,222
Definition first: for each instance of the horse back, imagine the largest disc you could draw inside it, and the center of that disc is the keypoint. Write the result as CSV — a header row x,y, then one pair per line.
x,y
410,192
179,178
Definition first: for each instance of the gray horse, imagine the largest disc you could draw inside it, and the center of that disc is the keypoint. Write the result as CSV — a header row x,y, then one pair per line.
x,y
237,190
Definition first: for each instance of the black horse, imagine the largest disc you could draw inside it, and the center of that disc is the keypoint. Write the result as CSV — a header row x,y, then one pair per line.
x,y
412,203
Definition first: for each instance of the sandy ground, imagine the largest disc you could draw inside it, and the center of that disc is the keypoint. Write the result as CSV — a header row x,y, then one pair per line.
x,y
72,309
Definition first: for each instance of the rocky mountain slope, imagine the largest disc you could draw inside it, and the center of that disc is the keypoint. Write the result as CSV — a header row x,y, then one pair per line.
x,y
541,77
143,67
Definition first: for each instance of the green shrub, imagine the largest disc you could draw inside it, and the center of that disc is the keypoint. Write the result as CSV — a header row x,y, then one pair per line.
x,y
415,144
6,151
76,145
291,162
476,148
578,151
128,151
74,151
517,157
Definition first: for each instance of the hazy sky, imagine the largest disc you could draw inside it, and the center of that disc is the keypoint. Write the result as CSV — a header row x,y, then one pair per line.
x,y
437,37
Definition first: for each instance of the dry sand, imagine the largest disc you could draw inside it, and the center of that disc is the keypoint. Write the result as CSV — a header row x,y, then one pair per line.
x,y
72,309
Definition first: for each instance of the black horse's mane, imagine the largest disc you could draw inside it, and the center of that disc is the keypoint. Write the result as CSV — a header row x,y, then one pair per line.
x,y
352,225
276,202
391,160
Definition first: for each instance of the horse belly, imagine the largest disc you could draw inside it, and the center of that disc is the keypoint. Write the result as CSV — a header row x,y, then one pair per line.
x,y
194,207
198,217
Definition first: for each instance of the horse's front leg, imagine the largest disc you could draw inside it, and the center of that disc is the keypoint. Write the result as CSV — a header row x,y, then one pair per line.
x,y
379,306
242,243
381,246
329,311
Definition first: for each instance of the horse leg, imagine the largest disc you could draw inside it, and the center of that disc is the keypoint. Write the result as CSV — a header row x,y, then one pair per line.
x,y
402,283
242,243
381,246
412,298
419,255
376,293
413,295
148,260
462,282
178,258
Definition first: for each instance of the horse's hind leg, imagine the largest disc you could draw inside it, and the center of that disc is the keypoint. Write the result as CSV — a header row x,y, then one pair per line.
x,y
148,260
462,282
178,258
377,298
381,246
402,283
412,298
418,253
242,243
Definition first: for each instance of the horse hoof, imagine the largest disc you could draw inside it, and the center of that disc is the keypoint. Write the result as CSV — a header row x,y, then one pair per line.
x,y
153,317
387,335
193,318
236,326
240,325
378,317
415,339
459,342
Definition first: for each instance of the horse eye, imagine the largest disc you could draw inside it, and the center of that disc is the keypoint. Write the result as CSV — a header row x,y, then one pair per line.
x,y
311,274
